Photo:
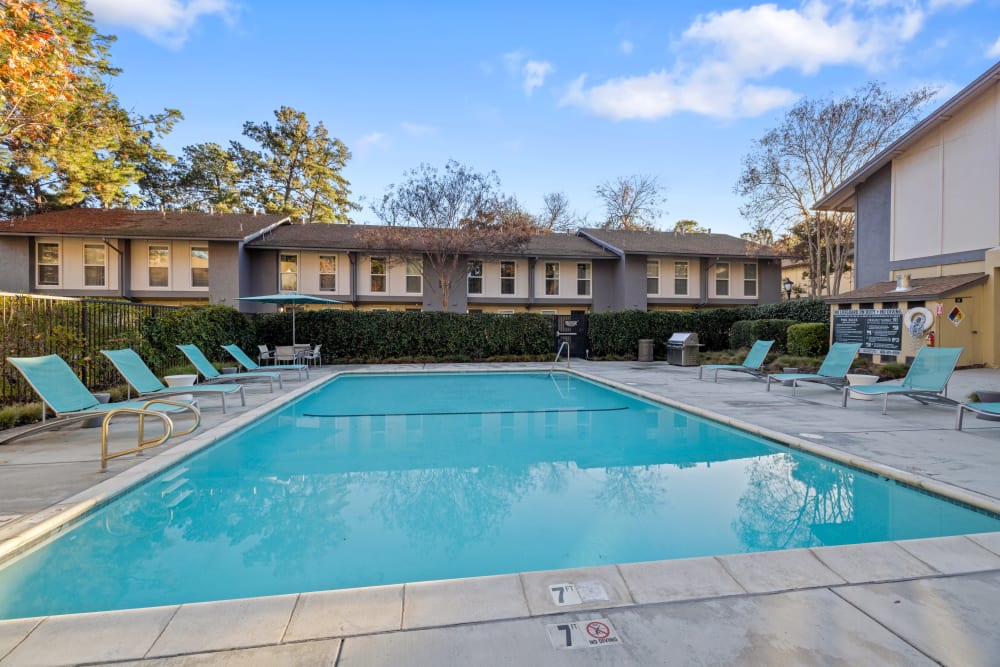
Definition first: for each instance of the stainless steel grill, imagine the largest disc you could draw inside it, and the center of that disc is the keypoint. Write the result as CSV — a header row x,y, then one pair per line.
x,y
682,349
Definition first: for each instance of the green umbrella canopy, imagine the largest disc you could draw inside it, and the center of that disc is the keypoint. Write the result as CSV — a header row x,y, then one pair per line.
x,y
288,299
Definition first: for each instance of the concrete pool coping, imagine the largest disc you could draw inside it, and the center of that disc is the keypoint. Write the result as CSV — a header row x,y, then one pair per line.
x,y
488,609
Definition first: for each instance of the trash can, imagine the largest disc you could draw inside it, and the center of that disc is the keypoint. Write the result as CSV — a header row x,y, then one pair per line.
x,y
645,349
682,349
95,422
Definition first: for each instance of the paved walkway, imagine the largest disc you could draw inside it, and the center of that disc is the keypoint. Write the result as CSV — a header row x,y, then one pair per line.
x,y
916,602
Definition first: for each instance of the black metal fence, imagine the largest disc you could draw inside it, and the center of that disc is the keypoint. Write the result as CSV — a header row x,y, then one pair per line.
x,y
75,329
573,329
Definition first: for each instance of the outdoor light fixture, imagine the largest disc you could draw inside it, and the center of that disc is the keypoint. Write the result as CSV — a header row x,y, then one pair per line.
x,y
787,284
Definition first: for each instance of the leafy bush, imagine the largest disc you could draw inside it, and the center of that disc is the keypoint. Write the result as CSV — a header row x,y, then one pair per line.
x,y
745,332
809,339
208,327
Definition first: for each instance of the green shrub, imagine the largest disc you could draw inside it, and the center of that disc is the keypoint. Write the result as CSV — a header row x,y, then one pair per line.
x,y
208,327
745,332
809,339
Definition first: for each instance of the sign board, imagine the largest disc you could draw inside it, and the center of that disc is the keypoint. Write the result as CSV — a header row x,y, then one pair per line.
x,y
879,330
583,634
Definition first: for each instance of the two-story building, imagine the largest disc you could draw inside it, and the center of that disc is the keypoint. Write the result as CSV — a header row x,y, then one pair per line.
x,y
927,223
192,258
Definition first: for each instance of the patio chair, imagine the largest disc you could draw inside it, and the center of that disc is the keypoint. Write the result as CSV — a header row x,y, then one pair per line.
x,y
144,381
751,365
926,382
832,372
312,356
264,354
246,362
63,392
211,374
284,353
988,409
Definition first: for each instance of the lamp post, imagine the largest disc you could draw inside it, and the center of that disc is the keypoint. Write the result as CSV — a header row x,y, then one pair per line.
x,y
787,284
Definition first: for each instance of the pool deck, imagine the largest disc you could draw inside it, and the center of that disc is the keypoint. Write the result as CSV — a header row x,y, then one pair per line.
x,y
917,602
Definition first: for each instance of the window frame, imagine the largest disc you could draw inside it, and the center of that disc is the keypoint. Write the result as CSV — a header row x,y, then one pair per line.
x,y
39,263
510,280
685,279
583,284
470,276
327,274
418,277
720,280
288,258
551,272
150,267
384,261
193,268
103,265
751,283
651,278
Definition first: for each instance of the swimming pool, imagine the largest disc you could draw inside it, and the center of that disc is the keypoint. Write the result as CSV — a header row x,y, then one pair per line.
x,y
392,478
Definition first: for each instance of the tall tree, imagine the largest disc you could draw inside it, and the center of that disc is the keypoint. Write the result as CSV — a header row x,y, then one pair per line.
x,y
445,217
205,178
690,227
87,150
296,170
634,202
556,215
818,144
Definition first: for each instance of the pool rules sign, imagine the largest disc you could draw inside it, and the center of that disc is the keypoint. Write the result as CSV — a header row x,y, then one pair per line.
x,y
583,634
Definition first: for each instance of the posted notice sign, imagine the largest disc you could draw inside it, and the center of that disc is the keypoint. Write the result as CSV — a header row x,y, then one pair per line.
x,y
879,330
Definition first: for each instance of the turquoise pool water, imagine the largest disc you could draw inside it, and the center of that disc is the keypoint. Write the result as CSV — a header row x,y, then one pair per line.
x,y
392,478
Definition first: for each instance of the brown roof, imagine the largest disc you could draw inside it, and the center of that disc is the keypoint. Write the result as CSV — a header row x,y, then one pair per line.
x,y
921,289
122,223
671,243
306,236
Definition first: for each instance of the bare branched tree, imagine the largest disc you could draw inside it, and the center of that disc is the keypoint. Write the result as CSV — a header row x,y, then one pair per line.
x,y
631,203
817,146
445,217
557,217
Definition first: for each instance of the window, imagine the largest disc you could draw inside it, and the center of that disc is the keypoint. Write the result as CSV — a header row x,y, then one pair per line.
x,y
552,278
328,273
680,278
583,279
159,266
378,273
475,276
749,280
506,277
199,266
722,279
414,283
652,277
94,257
288,268
48,263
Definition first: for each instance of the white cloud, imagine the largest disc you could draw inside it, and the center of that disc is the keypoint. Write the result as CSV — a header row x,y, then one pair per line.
x,y
534,72
166,22
726,58
994,51
370,142
626,46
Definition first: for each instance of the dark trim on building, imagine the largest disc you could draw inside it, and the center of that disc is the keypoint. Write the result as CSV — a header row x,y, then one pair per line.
x,y
937,260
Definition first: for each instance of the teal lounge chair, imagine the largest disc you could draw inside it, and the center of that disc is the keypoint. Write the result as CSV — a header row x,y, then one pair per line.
x,y
209,372
246,362
751,365
61,391
925,382
139,377
990,409
832,373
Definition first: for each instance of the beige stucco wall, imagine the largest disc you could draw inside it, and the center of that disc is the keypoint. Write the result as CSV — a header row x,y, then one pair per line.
x,y
946,189
179,270
71,267
667,265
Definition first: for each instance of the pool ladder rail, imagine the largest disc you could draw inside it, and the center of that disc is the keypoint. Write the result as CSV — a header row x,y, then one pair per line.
x,y
562,346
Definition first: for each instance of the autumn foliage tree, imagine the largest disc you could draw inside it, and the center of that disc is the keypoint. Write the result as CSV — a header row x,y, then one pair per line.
x,y
444,218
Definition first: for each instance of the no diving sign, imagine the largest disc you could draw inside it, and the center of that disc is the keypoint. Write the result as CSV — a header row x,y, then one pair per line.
x,y
583,634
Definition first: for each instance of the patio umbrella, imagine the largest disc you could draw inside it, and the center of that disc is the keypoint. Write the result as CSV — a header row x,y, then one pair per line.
x,y
292,299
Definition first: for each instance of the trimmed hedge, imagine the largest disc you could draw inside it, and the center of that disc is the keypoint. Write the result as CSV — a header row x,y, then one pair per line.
x,y
208,327
376,335
745,332
808,339
617,334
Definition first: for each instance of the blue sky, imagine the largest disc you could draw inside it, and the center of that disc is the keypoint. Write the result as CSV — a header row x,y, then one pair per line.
x,y
553,96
